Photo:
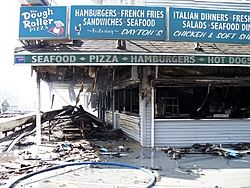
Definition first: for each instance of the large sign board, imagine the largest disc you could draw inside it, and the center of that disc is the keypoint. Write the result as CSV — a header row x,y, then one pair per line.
x,y
118,22
43,22
205,25
131,59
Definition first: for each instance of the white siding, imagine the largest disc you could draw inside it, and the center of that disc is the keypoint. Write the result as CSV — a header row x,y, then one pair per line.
x,y
146,110
129,125
145,121
109,118
188,132
142,120
148,125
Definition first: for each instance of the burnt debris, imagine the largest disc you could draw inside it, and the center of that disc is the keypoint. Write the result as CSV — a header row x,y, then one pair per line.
x,y
65,135
238,150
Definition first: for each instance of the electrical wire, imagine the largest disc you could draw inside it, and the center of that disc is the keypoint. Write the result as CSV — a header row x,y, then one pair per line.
x,y
154,46
219,48
208,90
50,84
139,46
151,183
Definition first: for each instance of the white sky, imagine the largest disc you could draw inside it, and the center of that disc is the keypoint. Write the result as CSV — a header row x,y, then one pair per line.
x,y
17,77
10,75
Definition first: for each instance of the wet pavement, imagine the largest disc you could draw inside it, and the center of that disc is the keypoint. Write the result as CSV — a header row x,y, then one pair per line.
x,y
191,170
203,166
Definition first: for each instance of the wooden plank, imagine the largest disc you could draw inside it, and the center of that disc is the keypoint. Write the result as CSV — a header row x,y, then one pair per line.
x,y
9,124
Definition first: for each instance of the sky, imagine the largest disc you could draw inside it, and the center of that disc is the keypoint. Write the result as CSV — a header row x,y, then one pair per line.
x,y
17,78
11,75
8,42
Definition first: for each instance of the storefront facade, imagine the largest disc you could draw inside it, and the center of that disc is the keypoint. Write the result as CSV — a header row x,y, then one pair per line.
x,y
177,86
183,105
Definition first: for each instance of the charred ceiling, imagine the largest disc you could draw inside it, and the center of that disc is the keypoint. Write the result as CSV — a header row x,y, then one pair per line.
x,y
74,74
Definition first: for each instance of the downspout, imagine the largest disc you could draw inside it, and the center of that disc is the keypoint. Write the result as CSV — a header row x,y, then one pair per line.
x,y
38,106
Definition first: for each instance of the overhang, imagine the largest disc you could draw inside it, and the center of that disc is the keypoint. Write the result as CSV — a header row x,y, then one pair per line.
x,y
105,53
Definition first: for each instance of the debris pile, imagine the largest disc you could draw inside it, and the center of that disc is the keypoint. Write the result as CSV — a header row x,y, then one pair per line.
x,y
27,160
75,122
68,135
238,150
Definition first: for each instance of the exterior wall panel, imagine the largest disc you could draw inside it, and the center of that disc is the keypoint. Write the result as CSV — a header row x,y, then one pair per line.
x,y
109,118
142,119
148,120
129,125
184,133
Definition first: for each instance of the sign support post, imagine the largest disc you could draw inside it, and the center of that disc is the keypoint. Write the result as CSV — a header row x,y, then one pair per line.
x,y
38,113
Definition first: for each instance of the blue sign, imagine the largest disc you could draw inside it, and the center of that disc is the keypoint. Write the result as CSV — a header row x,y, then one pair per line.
x,y
203,25
43,22
118,22
20,59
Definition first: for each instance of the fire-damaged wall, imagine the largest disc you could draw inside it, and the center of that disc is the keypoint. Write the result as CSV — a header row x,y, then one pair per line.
x,y
202,92
207,101
177,105
131,109
201,105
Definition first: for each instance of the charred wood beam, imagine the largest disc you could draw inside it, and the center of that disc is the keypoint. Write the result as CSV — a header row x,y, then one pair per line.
x,y
78,113
92,117
94,84
80,91
13,143
203,81
16,133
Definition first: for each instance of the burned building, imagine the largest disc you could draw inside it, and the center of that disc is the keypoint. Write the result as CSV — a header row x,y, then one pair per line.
x,y
159,93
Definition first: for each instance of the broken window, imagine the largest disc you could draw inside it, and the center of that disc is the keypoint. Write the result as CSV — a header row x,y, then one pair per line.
x,y
202,92
208,101
122,73
127,100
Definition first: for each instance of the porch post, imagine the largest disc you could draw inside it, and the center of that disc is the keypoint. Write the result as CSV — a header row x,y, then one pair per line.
x,y
152,117
38,114
113,111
